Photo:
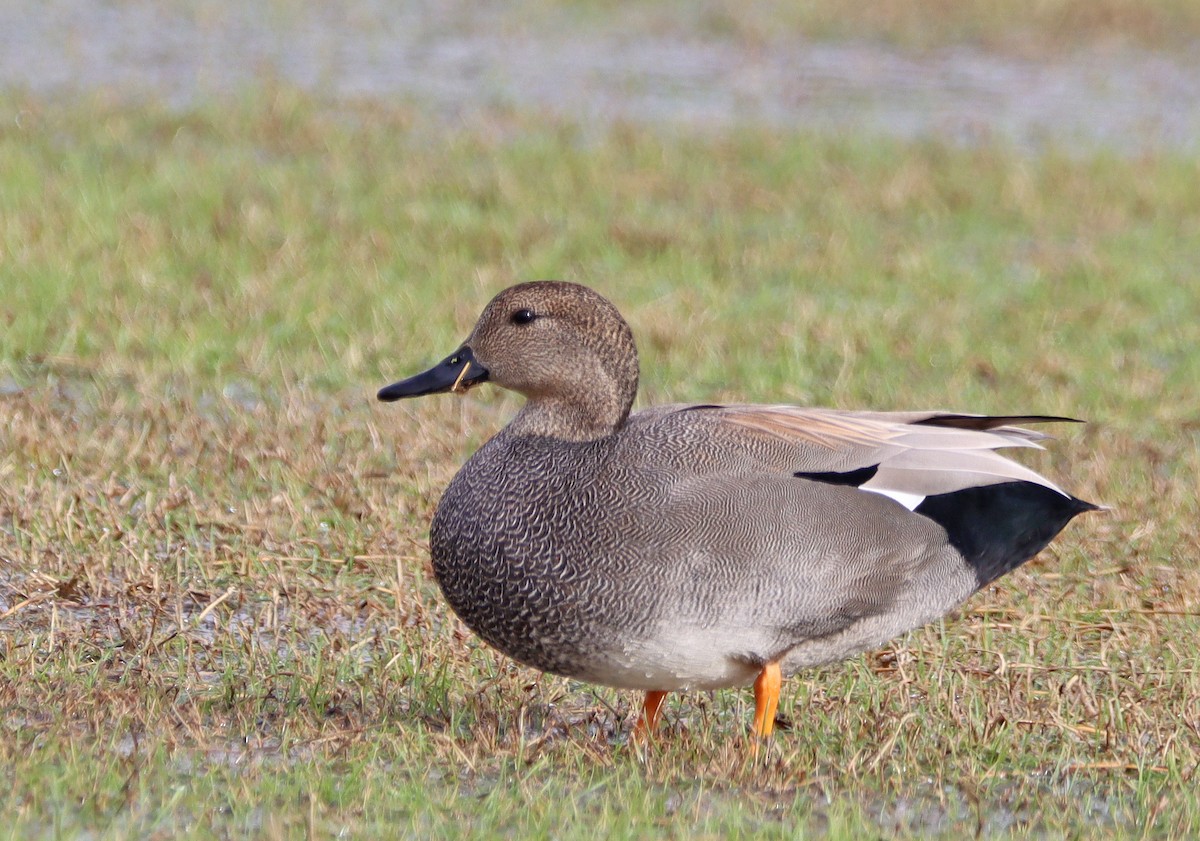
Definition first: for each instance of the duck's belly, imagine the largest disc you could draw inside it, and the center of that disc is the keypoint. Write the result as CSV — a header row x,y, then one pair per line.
x,y
670,659
678,661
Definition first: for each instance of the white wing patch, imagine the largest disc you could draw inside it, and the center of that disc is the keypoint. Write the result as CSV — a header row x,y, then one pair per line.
x,y
909,501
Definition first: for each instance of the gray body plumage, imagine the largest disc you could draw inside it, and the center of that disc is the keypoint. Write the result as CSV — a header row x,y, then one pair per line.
x,y
652,559
689,546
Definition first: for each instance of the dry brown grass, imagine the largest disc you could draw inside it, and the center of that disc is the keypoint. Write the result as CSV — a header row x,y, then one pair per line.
x,y
250,586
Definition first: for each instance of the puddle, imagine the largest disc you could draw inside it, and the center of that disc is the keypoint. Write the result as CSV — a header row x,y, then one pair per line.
x,y
459,57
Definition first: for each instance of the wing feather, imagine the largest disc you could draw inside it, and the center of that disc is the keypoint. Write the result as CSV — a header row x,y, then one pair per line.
x,y
915,453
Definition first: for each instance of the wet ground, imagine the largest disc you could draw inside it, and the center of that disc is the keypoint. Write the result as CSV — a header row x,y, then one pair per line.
x,y
456,57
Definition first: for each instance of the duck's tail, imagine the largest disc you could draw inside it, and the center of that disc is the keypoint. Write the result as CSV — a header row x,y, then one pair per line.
x,y
996,528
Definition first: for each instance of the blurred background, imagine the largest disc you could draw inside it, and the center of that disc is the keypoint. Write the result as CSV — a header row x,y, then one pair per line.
x,y
1111,73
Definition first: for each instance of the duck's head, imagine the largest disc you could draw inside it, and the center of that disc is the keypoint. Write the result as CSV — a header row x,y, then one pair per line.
x,y
563,346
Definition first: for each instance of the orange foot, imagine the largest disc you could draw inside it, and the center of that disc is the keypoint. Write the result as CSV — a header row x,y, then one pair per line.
x,y
766,702
651,708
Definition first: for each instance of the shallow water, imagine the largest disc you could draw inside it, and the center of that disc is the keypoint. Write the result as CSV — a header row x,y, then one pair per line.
x,y
459,57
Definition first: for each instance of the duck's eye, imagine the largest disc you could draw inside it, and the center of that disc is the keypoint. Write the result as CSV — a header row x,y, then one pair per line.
x,y
523,316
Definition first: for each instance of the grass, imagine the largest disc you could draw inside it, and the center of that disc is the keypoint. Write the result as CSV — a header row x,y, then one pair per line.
x,y
216,613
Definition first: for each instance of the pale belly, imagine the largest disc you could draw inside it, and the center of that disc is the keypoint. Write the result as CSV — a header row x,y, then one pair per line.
x,y
677,662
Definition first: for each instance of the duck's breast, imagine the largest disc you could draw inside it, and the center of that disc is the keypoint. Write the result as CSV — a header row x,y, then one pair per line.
x,y
530,545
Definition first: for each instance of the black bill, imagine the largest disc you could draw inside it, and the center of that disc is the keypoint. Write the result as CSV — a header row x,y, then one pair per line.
x,y
457,372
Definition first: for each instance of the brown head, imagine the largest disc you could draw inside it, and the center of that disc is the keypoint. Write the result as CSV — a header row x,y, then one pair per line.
x,y
563,346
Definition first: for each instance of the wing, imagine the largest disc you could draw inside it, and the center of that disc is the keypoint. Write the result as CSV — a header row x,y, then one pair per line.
x,y
905,455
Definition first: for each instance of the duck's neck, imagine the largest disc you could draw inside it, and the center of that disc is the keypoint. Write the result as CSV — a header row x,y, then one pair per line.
x,y
586,414
561,420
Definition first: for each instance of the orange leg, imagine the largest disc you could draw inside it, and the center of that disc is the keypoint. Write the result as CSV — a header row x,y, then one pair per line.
x,y
651,708
766,701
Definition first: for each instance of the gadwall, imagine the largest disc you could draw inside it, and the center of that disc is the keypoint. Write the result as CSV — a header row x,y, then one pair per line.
x,y
704,546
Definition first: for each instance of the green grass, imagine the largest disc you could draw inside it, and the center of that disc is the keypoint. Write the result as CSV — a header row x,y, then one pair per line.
x,y
216,617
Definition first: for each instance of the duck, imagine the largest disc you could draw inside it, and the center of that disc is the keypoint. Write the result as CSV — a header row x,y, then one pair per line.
x,y
706,546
